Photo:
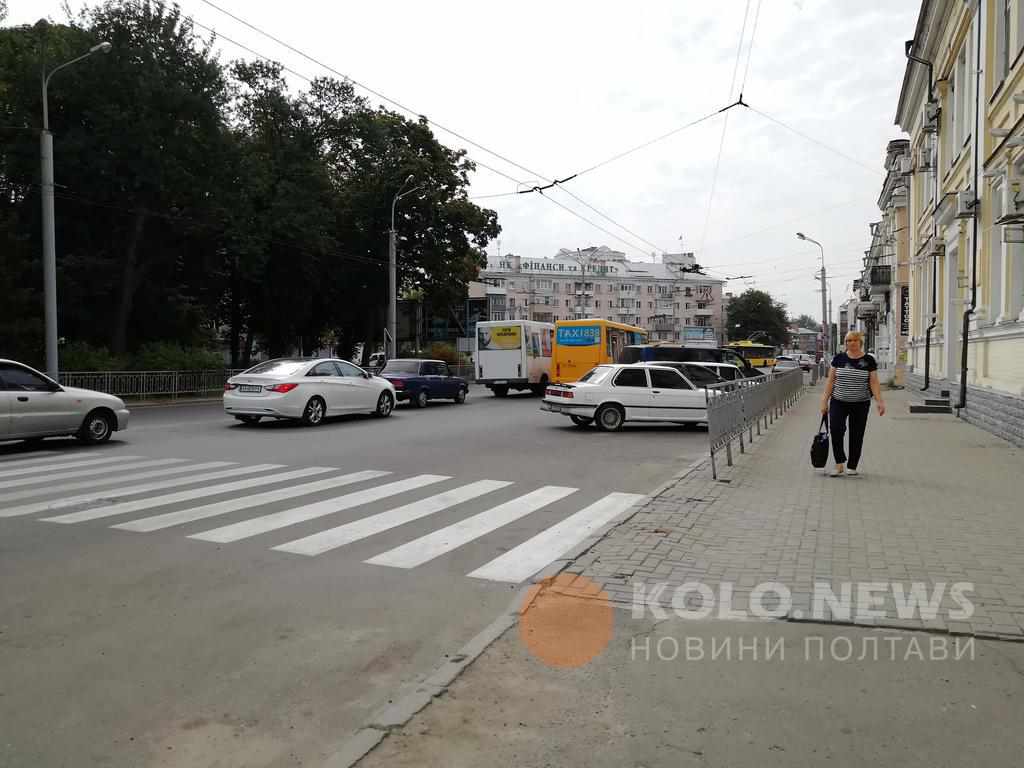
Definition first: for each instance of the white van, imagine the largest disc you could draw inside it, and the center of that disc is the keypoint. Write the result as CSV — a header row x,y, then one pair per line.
x,y
513,354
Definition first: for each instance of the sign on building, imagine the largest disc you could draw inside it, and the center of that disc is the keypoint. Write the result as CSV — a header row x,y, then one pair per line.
x,y
904,310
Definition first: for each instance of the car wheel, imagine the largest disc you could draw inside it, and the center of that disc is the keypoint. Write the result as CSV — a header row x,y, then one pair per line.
x,y
249,419
610,418
420,399
460,398
385,405
581,421
500,391
314,413
97,428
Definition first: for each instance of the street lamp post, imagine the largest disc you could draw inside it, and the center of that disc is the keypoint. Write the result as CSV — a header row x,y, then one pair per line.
x,y
826,335
49,226
393,268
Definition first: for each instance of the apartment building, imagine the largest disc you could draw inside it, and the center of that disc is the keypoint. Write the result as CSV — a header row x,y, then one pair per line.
x,y
665,297
962,103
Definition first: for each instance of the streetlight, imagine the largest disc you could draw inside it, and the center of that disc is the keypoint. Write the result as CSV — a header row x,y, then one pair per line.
x,y
826,335
393,267
49,227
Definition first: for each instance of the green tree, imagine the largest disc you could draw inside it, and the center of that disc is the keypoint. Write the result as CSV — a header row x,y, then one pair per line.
x,y
756,312
806,321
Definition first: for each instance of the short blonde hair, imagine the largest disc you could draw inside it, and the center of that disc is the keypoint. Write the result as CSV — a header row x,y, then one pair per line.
x,y
859,335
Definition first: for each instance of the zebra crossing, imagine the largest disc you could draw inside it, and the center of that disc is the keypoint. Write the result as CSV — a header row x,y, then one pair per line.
x,y
176,492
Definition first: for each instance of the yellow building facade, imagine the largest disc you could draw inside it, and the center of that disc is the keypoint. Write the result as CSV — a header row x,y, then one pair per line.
x,y
962,104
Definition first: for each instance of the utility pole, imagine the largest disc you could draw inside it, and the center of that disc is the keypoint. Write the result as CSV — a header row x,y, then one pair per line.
x,y
826,329
49,228
393,269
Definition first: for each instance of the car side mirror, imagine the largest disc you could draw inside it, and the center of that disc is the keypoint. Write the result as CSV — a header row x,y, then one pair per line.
x,y
367,375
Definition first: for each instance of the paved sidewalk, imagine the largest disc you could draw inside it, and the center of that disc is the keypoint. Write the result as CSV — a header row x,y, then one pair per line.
x,y
938,502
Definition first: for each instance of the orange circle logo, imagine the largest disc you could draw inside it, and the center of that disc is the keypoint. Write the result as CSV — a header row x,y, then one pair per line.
x,y
566,621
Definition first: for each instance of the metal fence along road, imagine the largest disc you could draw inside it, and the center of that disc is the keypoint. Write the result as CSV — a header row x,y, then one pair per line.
x,y
736,407
144,384
174,384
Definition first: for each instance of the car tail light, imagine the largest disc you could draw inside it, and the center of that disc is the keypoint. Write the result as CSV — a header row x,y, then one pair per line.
x,y
228,386
397,383
567,394
282,388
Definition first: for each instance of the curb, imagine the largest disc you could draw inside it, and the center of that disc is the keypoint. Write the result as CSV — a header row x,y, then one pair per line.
x,y
171,403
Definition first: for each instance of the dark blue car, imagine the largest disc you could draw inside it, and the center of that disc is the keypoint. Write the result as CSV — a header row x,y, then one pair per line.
x,y
420,381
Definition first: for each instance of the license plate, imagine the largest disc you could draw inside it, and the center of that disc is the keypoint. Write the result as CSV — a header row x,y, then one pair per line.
x,y
552,408
250,388
503,381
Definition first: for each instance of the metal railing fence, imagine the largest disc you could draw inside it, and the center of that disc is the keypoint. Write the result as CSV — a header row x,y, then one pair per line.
x,y
738,407
144,384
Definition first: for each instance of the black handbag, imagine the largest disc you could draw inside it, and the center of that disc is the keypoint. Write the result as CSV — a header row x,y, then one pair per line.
x,y
819,446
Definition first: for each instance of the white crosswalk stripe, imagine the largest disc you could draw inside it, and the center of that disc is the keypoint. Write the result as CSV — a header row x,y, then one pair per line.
x,y
131,490
60,465
272,522
190,495
439,542
333,538
50,490
57,477
522,562
158,522
70,489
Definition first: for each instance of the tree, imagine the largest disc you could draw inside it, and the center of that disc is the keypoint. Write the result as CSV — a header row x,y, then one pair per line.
x,y
806,321
755,312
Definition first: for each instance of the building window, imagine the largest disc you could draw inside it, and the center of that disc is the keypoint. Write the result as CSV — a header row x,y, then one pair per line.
x,y
1002,41
567,302
650,289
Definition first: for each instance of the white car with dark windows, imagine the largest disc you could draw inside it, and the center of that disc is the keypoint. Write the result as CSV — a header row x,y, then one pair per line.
x,y
308,390
611,395
34,406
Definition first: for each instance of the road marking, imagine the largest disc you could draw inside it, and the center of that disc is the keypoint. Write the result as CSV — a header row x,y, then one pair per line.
x,y
439,542
157,522
76,486
520,563
272,522
59,477
36,457
174,498
64,465
131,490
333,538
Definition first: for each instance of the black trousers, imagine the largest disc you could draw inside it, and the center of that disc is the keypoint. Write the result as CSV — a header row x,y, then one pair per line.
x,y
838,413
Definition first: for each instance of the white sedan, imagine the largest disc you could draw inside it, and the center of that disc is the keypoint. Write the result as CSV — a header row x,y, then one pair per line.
x,y
34,406
611,395
306,389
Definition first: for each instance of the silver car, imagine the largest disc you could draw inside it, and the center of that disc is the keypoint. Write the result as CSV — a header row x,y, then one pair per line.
x,y
34,406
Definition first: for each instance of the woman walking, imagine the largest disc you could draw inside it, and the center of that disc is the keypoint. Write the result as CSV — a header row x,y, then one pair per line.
x,y
852,380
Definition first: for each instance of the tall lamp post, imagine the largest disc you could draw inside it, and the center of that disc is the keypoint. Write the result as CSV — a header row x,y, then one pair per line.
x,y
49,227
826,336
393,267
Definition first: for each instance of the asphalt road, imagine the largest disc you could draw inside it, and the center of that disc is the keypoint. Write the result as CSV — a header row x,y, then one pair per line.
x,y
145,647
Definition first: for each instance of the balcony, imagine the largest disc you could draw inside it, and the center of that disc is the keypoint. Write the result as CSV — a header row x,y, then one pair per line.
x,y
880,275
705,312
660,326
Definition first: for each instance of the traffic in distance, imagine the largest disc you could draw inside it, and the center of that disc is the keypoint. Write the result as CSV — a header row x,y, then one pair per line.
x,y
595,371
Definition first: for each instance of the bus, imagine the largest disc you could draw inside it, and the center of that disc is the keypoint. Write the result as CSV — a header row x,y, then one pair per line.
x,y
583,344
758,355
513,354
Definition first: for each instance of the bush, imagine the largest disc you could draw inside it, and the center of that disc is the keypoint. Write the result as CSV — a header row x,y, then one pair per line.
x,y
168,356
82,356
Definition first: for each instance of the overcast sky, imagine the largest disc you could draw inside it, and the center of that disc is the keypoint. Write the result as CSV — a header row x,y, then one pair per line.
x,y
557,87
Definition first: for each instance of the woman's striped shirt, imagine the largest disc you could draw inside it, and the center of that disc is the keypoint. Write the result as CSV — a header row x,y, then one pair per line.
x,y
853,376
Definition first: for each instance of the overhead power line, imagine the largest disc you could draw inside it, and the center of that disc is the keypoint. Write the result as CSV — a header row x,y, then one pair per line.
x,y
750,48
436,124
813,140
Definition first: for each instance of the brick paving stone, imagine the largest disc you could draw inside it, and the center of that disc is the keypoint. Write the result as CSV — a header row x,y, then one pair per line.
x,y
936,504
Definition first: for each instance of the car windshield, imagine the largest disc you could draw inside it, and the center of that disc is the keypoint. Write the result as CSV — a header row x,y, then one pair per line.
x,y
279,367
402,366
596,375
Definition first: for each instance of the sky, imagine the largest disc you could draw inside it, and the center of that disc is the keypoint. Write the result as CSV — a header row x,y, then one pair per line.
x,y
549,89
